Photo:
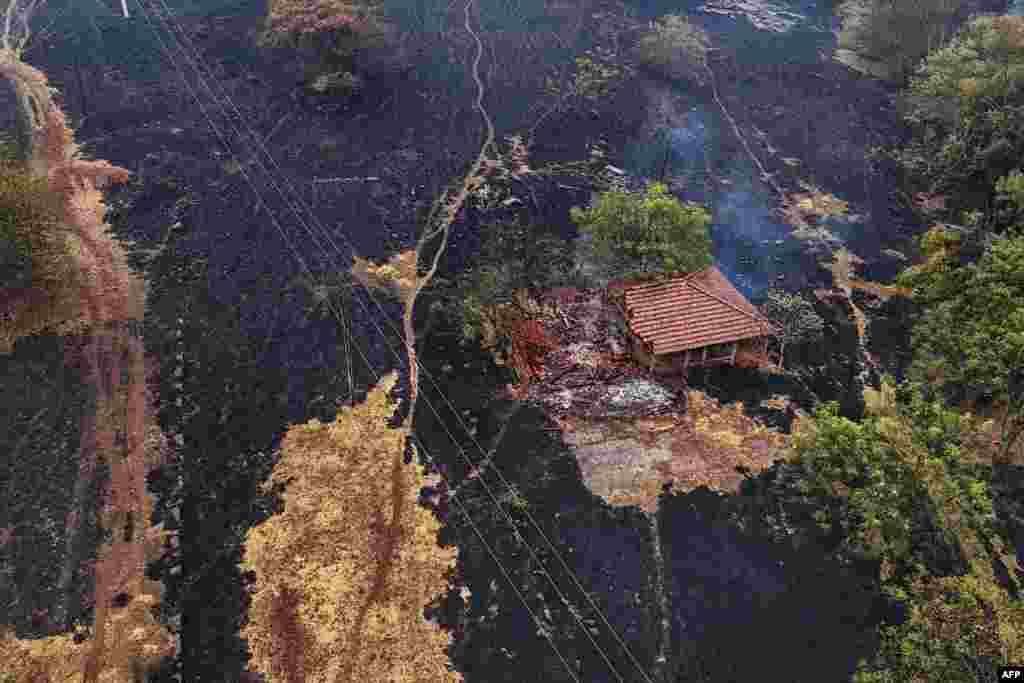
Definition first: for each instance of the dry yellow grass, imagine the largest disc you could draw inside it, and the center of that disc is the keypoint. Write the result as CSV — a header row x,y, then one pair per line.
x,y
883,291
712,440
344,573
397,276
801,209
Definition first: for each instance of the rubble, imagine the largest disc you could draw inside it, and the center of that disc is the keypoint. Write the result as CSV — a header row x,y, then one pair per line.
x,y
632,432
590,375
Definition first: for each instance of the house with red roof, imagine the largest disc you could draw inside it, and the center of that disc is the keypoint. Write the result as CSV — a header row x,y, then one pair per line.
x,y
693,320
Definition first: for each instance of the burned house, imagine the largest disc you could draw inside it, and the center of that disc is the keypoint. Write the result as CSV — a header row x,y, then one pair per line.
x,y
693,320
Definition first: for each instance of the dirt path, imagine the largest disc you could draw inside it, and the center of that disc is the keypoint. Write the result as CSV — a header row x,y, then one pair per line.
x,y
450,208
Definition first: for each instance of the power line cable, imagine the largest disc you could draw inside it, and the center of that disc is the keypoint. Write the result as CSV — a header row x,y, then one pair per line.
x,y
305,267
536,526
494,499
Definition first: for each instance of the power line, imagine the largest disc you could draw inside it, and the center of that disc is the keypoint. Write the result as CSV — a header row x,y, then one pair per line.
x,y
305,267
462,453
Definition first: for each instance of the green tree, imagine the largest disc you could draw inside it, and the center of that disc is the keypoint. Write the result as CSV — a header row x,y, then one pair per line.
x,y
583,83
517,261
971,338
903,491
629,234
795,316
675,48
966,108
890,37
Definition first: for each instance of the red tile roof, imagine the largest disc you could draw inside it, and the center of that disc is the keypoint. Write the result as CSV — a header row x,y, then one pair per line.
x,y
692,311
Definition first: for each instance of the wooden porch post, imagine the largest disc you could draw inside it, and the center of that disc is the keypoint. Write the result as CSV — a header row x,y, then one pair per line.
x,y
704,355
686,359
732,357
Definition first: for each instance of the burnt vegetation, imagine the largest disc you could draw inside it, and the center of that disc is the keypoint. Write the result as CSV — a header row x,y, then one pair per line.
x,y
236,495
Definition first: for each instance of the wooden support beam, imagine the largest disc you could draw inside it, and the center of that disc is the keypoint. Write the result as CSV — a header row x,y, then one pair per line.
x,y
732,356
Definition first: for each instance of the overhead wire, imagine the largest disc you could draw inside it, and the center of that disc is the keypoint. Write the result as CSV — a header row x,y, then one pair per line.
x,y
369,365
462,453
255,137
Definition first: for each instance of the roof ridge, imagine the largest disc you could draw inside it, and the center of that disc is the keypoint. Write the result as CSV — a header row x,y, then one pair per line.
x,y
678,280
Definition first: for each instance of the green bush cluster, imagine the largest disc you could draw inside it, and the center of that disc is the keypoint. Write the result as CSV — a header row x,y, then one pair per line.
x,y
675,48
889,39
966,107
899,490
517,260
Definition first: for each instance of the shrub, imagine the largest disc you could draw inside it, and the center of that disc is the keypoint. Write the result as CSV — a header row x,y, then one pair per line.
x,y
339,82
889,39
675,48
964,104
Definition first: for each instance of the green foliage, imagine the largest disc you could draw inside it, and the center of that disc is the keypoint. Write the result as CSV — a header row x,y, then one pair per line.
x,y
1011,189
971,339
901,490
966,104
1010,199
628,234
888,38
594,76
8,151
794,315
675,48
516,257
851,460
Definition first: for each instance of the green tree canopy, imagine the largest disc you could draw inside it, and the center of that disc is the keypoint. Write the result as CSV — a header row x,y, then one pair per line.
x,y
629,234
966,106
971,338
517,260
889,38
675,48
794,315
903,490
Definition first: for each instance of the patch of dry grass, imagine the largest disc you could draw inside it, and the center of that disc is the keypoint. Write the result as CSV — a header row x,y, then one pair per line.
x,y
397,276
883,291
713,440
802,209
